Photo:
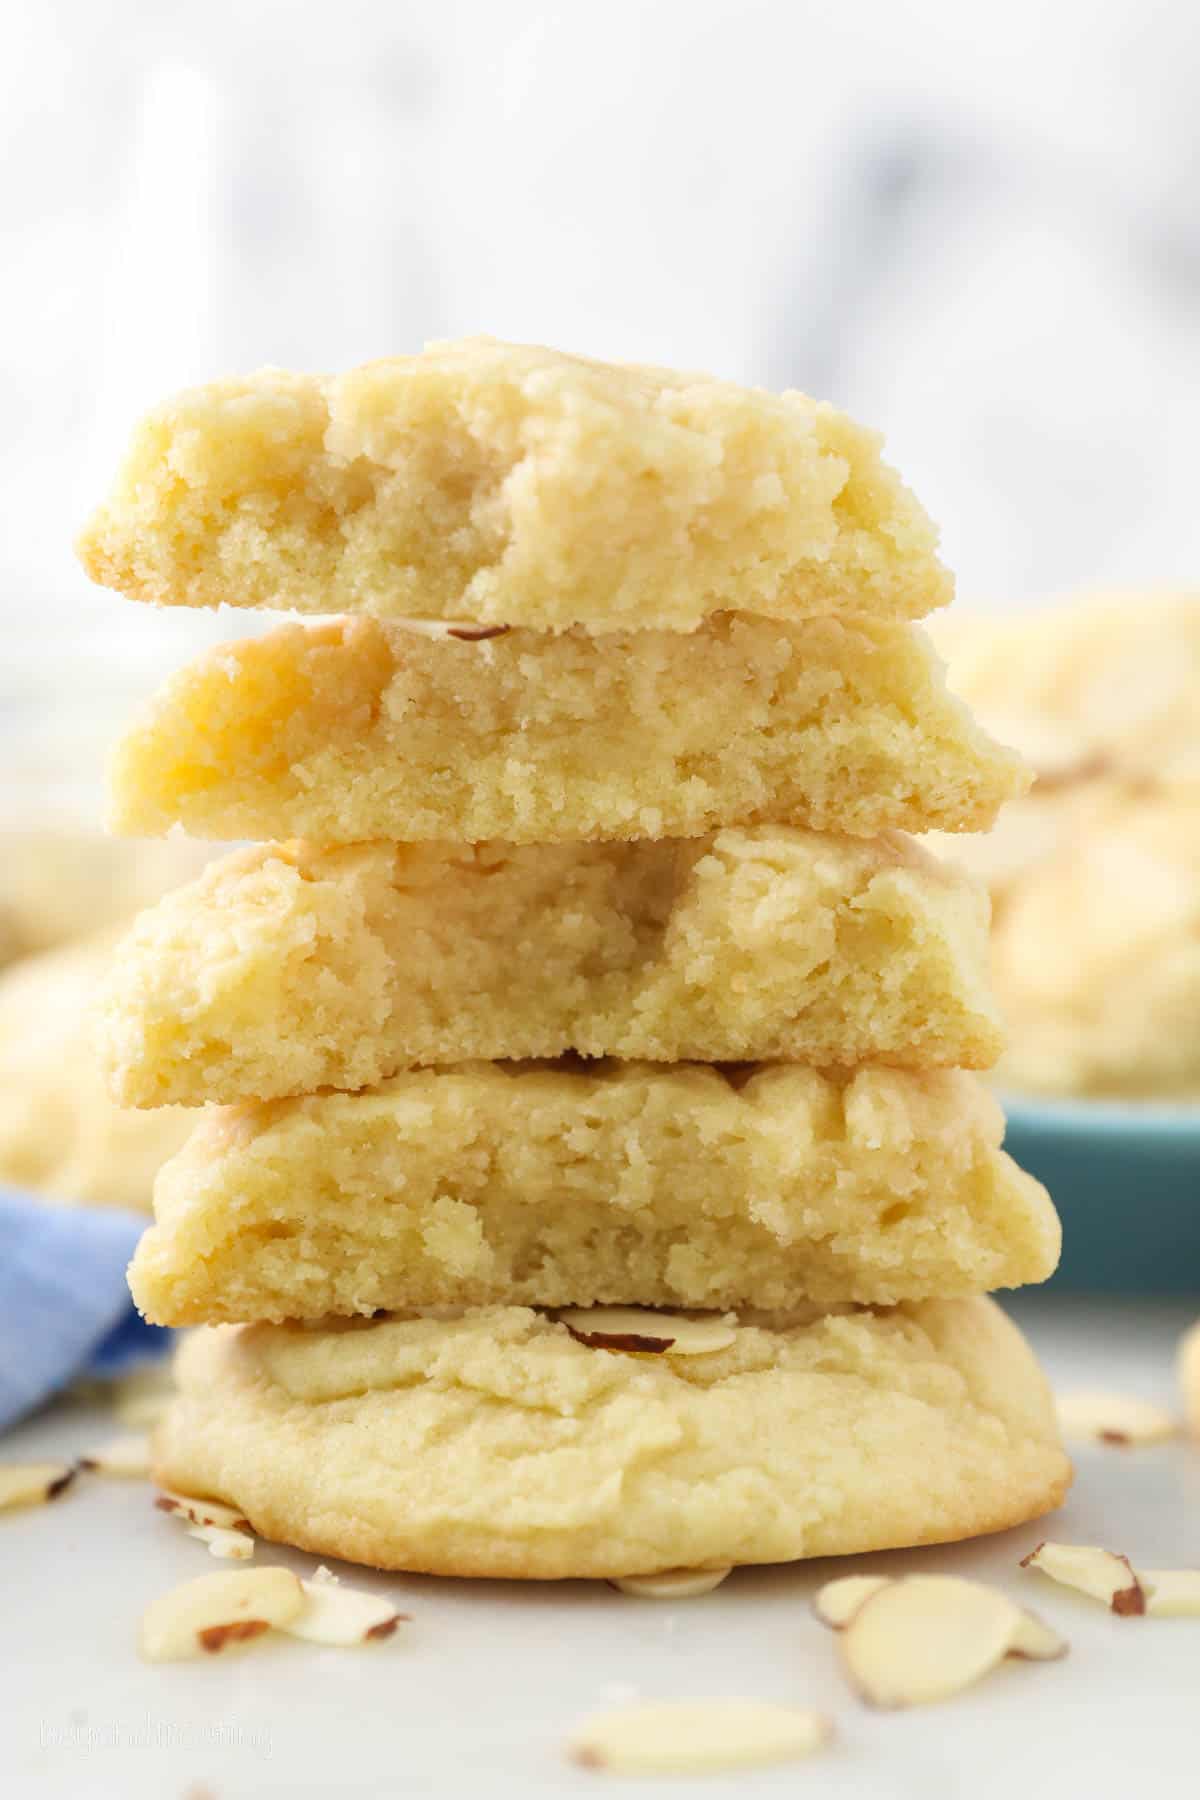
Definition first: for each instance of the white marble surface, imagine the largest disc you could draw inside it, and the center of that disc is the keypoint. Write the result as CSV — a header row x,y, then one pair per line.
x,y
477,1694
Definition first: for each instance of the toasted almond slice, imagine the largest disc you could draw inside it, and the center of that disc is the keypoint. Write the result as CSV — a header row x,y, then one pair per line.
x,y
445,628
340,1616
694,1737
925,1638
32,1484
233,1546
1187,1369
1171,1593
121,1457
672,1584
1121,1419
198,1511
475,634
837,1602
636,1328
1103,1574
1035,1641
212,1613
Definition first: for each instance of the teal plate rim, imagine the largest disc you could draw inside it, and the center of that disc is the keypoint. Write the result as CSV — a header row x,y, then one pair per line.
x,y
1176,1120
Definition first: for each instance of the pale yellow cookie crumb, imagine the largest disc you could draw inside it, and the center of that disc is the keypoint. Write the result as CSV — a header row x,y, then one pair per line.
x,y
624,1183
348,730
514,485
285,969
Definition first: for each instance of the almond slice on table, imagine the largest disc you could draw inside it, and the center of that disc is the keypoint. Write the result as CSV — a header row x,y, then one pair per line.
x,y
672,1584
216,1612
638,1329
341,1617
1171,1593
1035,1641
224,1541
32,1484
1106,1418
198,1511
926,1638
124,1458
696,1737
836,1603
1103,1574
1187,1369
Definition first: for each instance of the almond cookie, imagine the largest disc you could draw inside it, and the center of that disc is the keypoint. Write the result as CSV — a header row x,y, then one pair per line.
x,y
60,1133
1095,876
629,1183
498,1443
512,485
286,968
349,730
58,885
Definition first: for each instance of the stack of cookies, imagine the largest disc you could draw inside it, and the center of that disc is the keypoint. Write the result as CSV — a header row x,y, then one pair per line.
x,y
590,1183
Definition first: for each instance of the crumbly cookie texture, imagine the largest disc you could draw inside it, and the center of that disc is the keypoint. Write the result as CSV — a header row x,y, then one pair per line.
x,y
348,730
60,1134
496,1444
620,1183
286,968
1095,876
513,485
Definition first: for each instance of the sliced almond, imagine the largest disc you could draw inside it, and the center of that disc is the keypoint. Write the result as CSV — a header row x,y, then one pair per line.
x,y
1121,1419
694,1737
340,1616
232,1546
124,1458
197,1511
1101,1573
836,1603
215,1612
1187,1369
32,1484
636,1328
672,1584
1171,1593
1035,1641
443,628
926,1638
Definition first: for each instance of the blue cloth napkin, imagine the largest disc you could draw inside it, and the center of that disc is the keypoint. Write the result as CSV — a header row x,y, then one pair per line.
x,y
65,1310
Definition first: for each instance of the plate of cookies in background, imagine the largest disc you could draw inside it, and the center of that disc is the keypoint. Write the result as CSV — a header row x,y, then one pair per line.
x,y
1095,885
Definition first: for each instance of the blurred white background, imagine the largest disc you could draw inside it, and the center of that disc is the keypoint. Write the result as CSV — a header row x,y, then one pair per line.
x,y
976,228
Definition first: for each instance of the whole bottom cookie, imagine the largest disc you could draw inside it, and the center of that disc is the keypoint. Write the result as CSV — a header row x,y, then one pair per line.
x,y
497,1443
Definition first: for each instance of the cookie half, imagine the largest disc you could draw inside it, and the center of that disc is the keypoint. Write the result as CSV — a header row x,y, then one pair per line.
x,y
348,730
498,1444
624,1183
516,486
285,968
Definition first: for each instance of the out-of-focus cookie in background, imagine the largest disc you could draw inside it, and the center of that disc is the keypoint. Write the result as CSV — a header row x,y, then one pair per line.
x,y
65,897
59,885
1095,875
1095,885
